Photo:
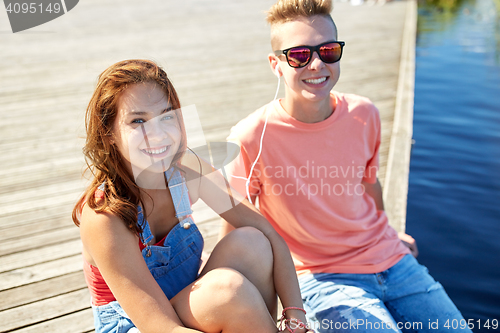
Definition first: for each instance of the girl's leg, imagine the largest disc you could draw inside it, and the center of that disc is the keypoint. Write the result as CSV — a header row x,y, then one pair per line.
x,y
235,292
249,252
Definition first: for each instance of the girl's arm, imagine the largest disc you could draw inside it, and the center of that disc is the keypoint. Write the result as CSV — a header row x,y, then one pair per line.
x,y
110,246
215,191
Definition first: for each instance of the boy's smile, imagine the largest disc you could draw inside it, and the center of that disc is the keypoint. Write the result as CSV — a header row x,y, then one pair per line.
x,y
316,83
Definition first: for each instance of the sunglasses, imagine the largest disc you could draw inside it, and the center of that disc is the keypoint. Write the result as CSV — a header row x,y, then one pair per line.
x,y
300,56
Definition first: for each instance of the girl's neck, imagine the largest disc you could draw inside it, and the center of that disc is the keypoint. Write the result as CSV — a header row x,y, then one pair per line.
x,y
151,181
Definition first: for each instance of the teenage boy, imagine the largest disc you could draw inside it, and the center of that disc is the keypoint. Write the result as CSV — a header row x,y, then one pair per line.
x,y
311,159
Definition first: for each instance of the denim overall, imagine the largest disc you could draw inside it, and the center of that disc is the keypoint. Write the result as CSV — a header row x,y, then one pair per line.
x,y
174,265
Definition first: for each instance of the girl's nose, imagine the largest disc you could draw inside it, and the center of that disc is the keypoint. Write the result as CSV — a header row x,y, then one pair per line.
x,y
153,129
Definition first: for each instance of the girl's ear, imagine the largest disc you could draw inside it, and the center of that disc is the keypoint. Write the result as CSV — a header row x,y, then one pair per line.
x,y
110,137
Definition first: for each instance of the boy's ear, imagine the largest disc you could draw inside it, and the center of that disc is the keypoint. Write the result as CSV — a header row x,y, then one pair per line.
x,y
274,63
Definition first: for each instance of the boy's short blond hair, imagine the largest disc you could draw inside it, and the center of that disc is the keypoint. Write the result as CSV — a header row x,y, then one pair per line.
x,y
289,10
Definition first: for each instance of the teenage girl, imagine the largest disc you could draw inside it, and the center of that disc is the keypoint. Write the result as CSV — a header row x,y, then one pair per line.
x,y
141,248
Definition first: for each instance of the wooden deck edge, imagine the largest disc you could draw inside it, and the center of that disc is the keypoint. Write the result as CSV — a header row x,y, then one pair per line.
x,y
398,162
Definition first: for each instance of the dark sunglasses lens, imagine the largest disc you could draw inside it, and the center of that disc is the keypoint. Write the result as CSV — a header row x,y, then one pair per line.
x,y
330,52
298,56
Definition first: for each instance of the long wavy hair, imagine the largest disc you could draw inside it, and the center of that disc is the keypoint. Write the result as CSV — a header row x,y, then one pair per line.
x,y
121,194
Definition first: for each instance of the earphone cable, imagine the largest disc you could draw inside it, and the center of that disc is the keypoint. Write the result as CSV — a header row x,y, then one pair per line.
x,y
247,184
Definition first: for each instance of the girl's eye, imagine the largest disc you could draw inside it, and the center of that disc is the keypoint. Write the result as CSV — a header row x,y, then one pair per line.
x,y
168,117
138,121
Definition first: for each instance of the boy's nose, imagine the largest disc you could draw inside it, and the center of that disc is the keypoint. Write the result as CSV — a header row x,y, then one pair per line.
x,y
316,63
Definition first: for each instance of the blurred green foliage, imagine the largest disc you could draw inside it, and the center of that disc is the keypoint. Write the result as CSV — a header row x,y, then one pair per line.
x,y
439,15
442,11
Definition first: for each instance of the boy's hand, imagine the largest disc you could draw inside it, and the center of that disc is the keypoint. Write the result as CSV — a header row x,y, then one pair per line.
x,y
410,242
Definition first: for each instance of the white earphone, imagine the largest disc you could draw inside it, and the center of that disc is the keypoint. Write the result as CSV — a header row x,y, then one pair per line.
x,y
277,70
247,183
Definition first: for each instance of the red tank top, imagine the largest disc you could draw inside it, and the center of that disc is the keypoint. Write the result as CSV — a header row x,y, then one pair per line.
x,y
99,290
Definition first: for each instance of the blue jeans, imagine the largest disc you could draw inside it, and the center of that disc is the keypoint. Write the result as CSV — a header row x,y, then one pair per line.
x,y
404,298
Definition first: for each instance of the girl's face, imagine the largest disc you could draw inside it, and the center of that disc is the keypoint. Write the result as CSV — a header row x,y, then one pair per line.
x,y
146,130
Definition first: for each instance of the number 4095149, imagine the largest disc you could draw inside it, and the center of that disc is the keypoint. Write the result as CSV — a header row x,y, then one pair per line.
x,y
472,324
33,8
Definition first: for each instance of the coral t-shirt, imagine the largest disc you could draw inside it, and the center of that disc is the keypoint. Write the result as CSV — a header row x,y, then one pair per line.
x,y
308,183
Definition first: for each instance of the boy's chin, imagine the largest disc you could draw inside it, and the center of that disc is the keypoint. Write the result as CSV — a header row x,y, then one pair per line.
x,y
316,96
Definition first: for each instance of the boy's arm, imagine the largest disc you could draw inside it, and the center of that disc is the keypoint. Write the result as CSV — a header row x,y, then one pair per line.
x,y
375,191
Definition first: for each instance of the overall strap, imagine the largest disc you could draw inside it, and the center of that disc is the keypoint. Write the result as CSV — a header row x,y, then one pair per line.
x,y
146,235
180,198
179,193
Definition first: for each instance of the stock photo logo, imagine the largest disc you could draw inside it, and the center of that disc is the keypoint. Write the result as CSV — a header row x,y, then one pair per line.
x,y
26,14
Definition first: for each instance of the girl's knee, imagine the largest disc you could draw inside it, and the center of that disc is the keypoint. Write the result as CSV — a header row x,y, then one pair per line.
x,y
230,289
225,281
249,240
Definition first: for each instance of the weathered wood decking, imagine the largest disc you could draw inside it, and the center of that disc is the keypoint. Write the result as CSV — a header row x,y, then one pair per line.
x,y
215,52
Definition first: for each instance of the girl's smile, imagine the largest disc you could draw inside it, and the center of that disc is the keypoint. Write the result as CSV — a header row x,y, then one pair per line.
x,y
156,152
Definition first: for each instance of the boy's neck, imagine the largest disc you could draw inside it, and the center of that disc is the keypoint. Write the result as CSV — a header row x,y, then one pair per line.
x,y
307,111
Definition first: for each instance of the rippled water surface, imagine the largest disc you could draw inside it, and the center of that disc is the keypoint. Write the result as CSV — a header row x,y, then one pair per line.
x,y
454,192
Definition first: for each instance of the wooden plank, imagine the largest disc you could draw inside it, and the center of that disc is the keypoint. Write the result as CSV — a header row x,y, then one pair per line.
x,y
17,183
48,190
37,214
40,255
37,291
56,236
60,219
47,165
51,151
398,165
46,309
26,275
63,197
80,321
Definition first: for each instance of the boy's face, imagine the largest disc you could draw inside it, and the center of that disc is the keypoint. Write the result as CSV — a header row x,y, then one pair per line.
x,y
314,81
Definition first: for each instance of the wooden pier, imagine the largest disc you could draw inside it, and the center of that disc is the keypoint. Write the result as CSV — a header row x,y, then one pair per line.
x,y
216,54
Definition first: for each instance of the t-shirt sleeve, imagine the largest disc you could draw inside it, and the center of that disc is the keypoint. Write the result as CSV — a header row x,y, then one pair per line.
x,y
238,169
374,136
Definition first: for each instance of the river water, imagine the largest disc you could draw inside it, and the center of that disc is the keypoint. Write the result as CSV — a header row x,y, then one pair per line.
x,y
454,186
